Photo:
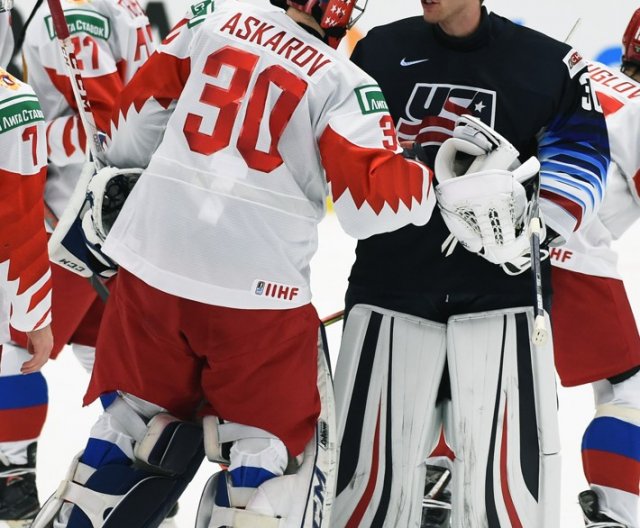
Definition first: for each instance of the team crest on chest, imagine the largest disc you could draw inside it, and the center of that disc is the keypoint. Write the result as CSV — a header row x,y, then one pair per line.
x,y
432,111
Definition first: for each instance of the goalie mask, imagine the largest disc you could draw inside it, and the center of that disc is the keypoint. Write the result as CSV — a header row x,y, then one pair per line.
x,y
334,16
631,41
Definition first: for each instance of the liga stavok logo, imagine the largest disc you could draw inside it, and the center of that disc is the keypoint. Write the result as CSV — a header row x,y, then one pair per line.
x,y
432,111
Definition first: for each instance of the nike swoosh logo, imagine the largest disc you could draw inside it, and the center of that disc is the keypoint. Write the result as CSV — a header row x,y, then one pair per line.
x,y
405,62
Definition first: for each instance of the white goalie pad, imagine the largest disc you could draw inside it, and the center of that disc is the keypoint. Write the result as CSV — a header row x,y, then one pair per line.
x,y
301,498
386,381
505,430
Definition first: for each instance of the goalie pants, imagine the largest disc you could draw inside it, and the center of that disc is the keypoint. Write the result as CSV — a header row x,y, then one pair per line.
x,y
254,367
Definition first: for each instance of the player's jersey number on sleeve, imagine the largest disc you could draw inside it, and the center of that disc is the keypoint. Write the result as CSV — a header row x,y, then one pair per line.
x,y
230,99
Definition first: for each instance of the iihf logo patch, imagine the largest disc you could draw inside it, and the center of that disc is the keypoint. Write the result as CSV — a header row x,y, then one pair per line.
x,y
274,290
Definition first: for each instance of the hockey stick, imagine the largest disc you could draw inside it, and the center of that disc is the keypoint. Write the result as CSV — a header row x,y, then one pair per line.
x,y
98,285
333,318
77,84
540,334
84,110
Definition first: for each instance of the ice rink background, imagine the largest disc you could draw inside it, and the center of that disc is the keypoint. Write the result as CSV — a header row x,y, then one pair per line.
x,y
67,425
597,36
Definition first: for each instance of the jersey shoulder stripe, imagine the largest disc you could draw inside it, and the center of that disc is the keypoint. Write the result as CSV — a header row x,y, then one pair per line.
x,y
19,111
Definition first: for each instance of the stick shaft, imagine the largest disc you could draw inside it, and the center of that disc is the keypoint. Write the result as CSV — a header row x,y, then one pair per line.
x,y
77,83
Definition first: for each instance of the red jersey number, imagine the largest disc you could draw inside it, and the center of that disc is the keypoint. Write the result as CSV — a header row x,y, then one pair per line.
x,y
229,100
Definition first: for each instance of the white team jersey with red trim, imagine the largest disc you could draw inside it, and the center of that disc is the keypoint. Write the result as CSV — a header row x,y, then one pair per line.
x,y
25,277
246,123
6,39
589,250
111,39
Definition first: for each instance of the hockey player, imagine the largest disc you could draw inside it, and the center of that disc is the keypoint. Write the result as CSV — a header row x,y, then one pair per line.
x,y
595,334
25,281
112,41
427,320
245,120
6,42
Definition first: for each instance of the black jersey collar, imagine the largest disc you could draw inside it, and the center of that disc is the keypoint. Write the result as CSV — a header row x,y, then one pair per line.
x,y
477,39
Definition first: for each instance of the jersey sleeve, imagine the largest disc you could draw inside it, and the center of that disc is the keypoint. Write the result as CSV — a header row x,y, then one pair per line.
x,y
373,187
111,41
574,154
146,104
25,275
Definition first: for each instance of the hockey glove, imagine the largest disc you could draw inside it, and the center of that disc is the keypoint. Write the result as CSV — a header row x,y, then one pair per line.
x,y
107,191
480,193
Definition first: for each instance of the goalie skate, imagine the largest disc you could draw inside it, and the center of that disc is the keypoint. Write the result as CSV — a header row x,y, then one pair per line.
x,y
18,493
593,517
436,505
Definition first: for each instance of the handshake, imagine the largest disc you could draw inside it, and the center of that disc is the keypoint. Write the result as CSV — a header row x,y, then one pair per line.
x,y
482,198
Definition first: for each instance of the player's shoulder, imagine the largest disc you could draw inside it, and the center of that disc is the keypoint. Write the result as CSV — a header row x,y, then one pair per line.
x,y
18,103
11,86
536,49
614,88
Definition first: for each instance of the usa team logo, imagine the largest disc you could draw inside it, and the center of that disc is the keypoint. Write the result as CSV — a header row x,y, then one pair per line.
x,y
433,109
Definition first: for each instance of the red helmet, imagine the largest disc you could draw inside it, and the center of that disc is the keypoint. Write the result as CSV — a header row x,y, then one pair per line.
x,y
631,40
334,16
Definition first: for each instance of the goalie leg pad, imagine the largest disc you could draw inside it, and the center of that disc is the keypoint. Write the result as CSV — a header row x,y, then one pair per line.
x,y
300,498
387,378
118,493
505,430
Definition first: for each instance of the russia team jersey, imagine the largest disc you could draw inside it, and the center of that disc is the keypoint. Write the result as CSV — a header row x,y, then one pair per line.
x,y
25,277
245,123
112,39
6,38
589,251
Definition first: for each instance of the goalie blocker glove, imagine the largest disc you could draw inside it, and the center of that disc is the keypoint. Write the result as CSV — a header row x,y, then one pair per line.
x,y
76,243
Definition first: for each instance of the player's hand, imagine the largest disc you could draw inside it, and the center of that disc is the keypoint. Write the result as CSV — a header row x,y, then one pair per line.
x,y
39,345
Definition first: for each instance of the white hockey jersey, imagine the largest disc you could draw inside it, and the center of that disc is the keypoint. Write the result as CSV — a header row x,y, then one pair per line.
x,y
112,39
25,277
589,250
6,39
245,123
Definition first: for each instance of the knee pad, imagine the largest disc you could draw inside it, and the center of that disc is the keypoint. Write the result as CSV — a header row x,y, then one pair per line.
x,y
168,452
252,455
299,498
